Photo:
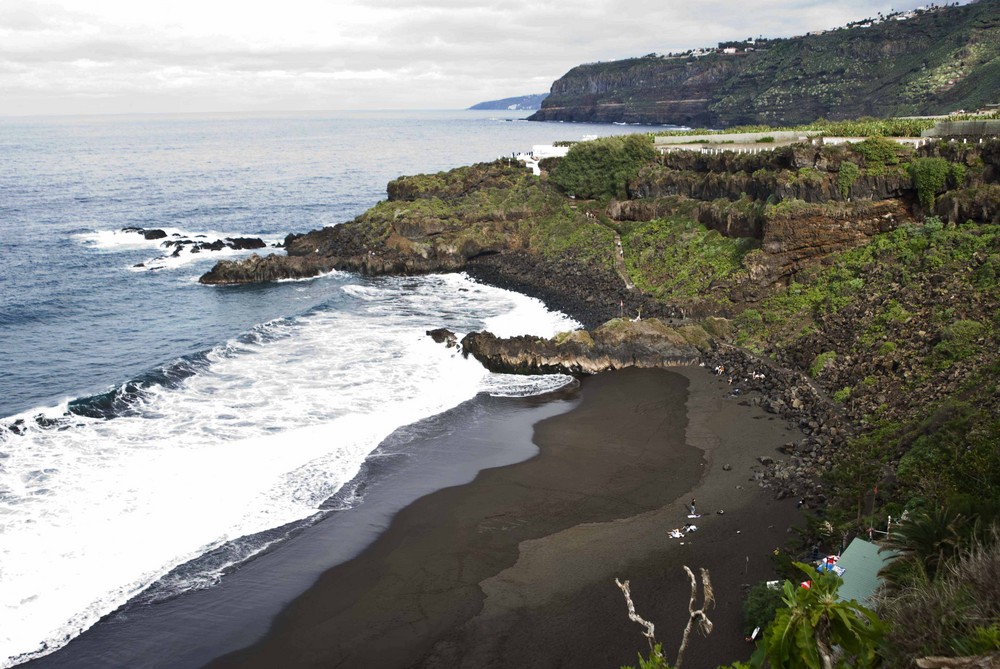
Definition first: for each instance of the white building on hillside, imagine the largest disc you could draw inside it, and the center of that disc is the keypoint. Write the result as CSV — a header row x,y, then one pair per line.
x,y
540,152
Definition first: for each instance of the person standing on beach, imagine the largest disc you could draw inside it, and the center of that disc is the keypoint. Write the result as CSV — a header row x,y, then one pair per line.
x,y
692,507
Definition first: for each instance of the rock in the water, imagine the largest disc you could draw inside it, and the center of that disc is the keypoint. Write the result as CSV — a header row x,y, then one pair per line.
x,y
217,245
243,243
443,336
269,268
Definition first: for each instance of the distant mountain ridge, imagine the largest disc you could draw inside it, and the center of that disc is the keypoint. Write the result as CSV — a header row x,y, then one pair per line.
x,y
521,102
930,61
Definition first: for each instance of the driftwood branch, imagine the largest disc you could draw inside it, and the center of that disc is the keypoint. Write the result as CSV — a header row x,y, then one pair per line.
x,y
695,615
632,615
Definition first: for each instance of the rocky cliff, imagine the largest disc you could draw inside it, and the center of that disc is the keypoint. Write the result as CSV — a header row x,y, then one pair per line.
x,y
429,223
934,62
761,219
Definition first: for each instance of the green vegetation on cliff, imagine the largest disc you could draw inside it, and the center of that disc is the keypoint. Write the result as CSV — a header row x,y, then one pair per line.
x,y
602,168
905,332
677,259
898,323
485,208
863,127
936,62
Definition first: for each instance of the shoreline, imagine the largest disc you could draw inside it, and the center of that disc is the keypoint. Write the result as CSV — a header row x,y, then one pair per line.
x,y
188,630
516,568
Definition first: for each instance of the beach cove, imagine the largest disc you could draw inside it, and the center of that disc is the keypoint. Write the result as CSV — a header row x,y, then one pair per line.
x,y
170,386
516,568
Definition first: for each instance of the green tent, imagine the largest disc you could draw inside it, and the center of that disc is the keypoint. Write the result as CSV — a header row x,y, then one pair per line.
x,y
861,563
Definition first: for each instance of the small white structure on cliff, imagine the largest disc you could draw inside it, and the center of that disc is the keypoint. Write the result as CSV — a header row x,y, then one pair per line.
x,y
539,152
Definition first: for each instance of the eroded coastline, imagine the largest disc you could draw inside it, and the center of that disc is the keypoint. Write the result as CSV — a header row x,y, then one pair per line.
x,y
542,540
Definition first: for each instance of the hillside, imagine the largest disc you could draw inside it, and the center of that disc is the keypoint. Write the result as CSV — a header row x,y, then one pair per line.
x,y
933,62
518,103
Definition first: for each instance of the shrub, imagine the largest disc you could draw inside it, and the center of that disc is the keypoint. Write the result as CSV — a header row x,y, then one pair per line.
x,y
843,394
760,606
987,275
894,313
820,363
878,151
929,177
848,174
951,614
956,175
951,452
959,340
601,168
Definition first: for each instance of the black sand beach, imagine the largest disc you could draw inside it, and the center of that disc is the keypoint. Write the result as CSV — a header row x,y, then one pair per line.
x,y
186,631
517,568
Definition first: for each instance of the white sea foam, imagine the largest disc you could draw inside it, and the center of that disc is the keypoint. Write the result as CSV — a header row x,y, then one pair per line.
x,y
129,240
517,385
274,424
530,317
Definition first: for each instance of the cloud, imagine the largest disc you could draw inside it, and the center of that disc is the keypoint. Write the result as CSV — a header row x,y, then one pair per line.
x,y
122,55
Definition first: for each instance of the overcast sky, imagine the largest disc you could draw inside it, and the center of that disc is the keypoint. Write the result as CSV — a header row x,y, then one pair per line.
x,y
127,56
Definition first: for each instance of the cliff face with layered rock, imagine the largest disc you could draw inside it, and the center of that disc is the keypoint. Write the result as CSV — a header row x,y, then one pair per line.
x,y
932,62
641,90
759,219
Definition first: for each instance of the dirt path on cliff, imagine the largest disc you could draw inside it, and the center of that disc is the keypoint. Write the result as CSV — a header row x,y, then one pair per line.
x,y
620,263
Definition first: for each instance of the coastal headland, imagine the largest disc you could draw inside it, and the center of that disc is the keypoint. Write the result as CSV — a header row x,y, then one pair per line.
x,y
516,568
886,66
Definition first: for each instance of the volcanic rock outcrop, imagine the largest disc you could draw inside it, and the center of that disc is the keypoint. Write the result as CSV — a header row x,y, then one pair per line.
x,y
257,269
616,344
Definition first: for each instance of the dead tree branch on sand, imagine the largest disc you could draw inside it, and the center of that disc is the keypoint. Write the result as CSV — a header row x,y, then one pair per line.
x,y
696,616
632,615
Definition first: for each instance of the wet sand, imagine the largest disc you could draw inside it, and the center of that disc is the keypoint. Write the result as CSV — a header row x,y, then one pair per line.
x,y
517,568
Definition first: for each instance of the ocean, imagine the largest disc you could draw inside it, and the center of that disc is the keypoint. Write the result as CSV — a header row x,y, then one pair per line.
x,y
159,438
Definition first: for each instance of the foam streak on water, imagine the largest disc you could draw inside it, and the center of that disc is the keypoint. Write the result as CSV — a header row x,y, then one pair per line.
x,y
268,426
